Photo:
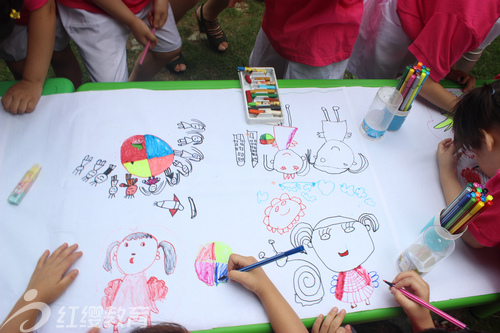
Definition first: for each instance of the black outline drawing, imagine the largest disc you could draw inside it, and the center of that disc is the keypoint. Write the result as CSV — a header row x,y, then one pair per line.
x,y
239,149
335,156
351,273
86,160
102,177
113,189
194,212
195,139
91,174
196,124
253,138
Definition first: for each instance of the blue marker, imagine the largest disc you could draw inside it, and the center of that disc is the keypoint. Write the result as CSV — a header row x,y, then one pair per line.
x,y
269,260
456,208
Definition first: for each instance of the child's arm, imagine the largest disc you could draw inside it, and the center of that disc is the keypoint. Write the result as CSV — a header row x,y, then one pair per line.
x,y
281,315
420,317
49,281
437,95
159,15
122,13
448,177
24,96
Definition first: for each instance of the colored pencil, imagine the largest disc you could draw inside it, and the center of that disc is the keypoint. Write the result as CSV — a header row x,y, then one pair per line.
x,y
418,300
146,48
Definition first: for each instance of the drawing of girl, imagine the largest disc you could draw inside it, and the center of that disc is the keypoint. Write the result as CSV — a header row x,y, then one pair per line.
x,y
134,296
343,244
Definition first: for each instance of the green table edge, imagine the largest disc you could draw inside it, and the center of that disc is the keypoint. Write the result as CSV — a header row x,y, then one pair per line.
x,y
230,84
50,87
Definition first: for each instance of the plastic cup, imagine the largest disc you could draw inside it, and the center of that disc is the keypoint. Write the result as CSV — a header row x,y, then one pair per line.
x,y
381,112
398,120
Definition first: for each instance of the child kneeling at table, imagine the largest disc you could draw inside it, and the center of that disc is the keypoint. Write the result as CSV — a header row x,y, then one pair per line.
x,y
476,126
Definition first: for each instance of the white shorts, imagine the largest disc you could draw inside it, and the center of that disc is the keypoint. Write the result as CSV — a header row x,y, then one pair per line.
x,y
381,49
15,47
102,40
264,55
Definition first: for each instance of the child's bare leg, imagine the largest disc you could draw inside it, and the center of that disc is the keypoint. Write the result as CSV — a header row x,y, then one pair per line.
x,y
65,65
153,63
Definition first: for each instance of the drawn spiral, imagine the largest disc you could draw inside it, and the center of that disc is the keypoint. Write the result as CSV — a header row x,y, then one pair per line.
x,y
308,286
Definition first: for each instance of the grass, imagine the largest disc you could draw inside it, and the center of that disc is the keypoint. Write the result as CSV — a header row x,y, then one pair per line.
x,y
241,25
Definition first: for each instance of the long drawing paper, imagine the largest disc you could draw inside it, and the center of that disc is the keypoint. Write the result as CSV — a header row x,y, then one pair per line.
x,y
159,188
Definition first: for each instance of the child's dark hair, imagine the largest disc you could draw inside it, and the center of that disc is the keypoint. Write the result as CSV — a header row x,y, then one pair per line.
x,y
162,328
6,21
478,110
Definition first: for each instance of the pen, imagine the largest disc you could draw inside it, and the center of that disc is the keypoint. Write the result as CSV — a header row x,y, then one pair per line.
x,y
146,48
430,307
269,260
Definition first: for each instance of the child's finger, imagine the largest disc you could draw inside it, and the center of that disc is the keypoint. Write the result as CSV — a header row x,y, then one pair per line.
x,y
330,317
42,260
58,251
317,324
339,318
68,279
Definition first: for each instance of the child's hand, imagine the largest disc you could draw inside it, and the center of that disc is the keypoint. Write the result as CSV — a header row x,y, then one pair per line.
x,y
419,316
22,97
159,16
142,33
255,280
49,278
447,160
462,78
331,323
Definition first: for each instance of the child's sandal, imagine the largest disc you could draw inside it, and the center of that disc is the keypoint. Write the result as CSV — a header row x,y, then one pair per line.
x,y
215,34
177,61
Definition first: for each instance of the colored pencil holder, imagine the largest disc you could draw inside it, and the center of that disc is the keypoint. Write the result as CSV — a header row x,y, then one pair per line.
x,y
436,220
398,120
433,245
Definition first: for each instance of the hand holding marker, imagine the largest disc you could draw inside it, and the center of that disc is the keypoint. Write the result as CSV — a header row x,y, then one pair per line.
x,y
269,260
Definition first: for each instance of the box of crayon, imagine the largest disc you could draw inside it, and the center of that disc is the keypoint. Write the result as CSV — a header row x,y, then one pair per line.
x,y
261,99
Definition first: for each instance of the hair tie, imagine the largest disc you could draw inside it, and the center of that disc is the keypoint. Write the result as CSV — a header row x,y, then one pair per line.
x,y
14,14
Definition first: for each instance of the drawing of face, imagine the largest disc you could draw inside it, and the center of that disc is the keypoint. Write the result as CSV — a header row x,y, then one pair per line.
x,y
287,161
342,245
334,157
136,255
100,178
283,213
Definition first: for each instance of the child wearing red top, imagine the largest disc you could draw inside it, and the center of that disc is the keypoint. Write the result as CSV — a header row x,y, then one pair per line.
x,y
476,124
32,38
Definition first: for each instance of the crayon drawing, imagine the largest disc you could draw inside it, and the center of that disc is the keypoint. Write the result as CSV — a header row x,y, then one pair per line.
x,y
134,295
113,188
283,213
196,124
102,177
335,156
130,185
343,245
211,263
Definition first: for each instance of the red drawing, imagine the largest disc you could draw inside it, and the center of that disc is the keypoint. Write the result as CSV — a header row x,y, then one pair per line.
x,y
283,213
134,295
130,185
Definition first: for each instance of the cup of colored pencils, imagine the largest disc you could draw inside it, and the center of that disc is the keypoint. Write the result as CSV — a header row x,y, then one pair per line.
x,y
467,206
409,86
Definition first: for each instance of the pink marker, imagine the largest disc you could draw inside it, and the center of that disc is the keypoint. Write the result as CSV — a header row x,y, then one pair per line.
x,y
417,300
146,48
